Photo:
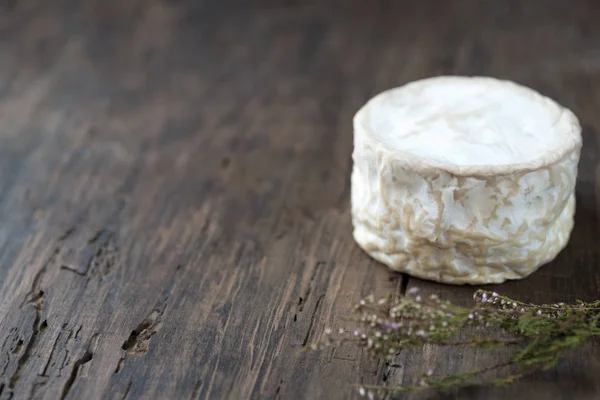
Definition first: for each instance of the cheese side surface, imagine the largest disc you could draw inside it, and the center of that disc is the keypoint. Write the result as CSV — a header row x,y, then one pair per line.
x,y
464,180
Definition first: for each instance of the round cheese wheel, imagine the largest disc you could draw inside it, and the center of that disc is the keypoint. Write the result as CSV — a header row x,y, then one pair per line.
x,y
464,179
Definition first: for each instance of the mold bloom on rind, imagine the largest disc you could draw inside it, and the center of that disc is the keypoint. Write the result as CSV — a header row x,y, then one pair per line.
x,y
464,179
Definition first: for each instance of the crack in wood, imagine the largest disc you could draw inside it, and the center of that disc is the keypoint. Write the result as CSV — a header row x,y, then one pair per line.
x,y
87,357
12,330
127,390
77,333
45,370
312,320
9,393
196,392
80,362
313,274
96,236
35,297
120,365
139,339
102,261
386,371
35,388
73,270
64,363
277,395
34,293
18,347
6,365
56,358
38,329
67,233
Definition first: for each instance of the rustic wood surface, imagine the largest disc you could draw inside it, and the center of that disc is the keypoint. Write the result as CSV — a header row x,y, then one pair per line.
x,y
174,189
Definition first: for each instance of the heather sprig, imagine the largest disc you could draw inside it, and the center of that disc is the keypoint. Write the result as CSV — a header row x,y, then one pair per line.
x,y
541,333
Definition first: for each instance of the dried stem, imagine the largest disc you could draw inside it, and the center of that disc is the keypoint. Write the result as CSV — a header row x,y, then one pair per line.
x,y
385,327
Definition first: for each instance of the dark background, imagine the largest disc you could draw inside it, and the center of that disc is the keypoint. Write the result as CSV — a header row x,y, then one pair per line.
x,y
174,189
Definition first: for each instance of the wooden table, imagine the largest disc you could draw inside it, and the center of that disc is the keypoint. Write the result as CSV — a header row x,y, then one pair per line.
x,y
174,189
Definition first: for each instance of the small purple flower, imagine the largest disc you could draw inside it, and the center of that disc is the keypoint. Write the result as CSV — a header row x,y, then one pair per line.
x,y
413,290
393,326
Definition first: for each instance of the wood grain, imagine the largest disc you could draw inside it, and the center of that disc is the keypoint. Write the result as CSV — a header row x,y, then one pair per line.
x,y
174,189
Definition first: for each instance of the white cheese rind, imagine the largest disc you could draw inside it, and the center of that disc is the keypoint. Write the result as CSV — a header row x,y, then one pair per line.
x,y
465,222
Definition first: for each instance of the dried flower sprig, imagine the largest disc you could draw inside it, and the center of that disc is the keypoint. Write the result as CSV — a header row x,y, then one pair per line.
x,y
387,326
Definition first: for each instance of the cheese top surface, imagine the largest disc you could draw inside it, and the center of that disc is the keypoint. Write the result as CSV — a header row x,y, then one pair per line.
x,y
470,121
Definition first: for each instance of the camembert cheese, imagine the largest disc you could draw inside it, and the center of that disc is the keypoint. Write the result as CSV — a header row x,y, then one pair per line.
x,y
464,179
